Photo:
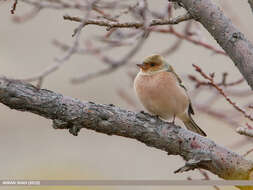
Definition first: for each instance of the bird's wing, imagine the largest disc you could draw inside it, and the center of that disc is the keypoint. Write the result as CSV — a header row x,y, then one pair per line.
x,y
170,69
190,109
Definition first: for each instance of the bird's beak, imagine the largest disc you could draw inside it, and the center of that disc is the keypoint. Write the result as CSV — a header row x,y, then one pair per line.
x,y
142,66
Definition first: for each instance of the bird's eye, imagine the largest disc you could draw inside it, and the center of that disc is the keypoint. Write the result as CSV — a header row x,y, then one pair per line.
x,y
152,64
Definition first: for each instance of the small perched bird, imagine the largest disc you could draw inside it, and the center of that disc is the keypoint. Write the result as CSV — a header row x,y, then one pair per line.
x,y
162,93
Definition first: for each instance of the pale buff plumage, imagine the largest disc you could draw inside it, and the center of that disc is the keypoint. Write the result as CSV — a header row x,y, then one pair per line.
x,y
161,92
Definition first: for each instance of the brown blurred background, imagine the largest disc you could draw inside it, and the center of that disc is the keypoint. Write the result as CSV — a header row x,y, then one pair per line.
x,y
32,149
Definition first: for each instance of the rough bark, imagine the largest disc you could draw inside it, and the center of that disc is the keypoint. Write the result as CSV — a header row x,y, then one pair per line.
x,y
251,4
239,49
73,114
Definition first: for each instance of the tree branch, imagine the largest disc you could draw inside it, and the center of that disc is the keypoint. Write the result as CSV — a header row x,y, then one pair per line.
x,y
239,49
245,131
73,114
251,4
110,25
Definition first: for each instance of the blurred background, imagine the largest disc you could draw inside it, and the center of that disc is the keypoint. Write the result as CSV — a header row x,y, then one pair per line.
x,y
32,149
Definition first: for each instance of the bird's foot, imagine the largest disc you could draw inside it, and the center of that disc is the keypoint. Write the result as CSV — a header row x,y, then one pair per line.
x,y
156,116
145,113
173,120
148,114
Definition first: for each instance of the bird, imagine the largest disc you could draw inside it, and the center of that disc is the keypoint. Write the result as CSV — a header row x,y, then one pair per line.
x,y
162,93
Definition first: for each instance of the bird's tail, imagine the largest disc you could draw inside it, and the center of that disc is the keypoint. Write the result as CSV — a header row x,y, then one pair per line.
x,y
191,125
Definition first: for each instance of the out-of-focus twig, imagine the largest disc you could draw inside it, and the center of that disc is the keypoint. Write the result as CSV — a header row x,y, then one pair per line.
x,y
206,177
59,62
217,115
172,48
113,65
248,152
189,38
27,16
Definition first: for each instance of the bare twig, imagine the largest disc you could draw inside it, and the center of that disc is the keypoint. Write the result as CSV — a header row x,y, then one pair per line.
x,y
199,83
205,12
248,152
217,115
113,65
110,25
190,39
59,62
27,16
245,131
89,76
206,177
14,6
172,48
211,82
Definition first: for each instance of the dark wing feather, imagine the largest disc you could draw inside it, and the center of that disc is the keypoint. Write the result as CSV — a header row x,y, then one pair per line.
x,y
170,69
190,109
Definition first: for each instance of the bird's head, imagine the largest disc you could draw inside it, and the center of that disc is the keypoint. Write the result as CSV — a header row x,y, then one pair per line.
x,y
153,64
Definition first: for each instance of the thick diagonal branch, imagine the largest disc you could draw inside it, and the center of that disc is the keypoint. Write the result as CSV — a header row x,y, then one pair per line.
x,y
73,114
239,49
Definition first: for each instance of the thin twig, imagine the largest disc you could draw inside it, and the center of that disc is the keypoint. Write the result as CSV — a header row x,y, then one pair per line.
x,y
113,64
189,38
223,82
217,115
27,16
110,25
172,48
211,82
245,131
14,6
248,152
58,64
206,177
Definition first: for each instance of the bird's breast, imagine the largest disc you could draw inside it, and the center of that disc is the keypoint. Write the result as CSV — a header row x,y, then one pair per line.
x,y
161,94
